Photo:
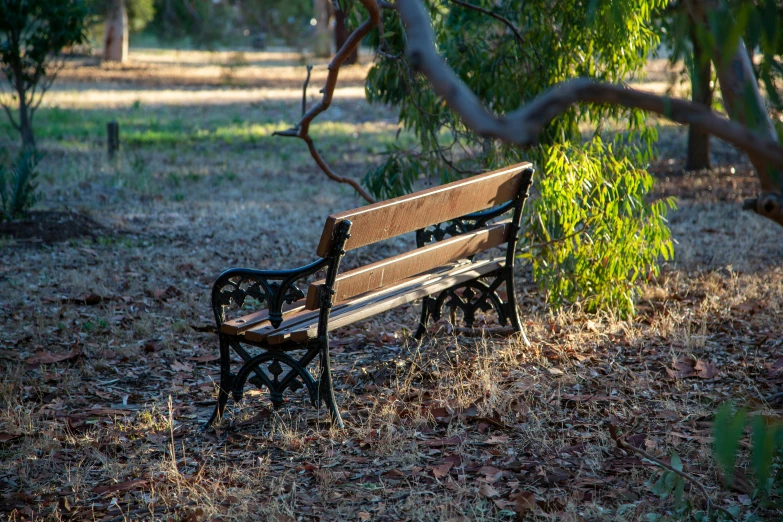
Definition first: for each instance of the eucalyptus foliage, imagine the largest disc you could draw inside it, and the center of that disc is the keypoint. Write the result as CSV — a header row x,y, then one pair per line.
x,y
609,41
591,188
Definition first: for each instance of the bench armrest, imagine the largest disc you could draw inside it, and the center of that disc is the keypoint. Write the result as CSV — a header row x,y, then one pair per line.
x,y
273,288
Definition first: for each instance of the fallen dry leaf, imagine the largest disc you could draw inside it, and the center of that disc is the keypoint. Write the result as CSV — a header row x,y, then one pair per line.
x,y
204,358
524,501
48,358
179,366
439,443
487,491
7,437
683,368
122,486
441,470
705,370
168,293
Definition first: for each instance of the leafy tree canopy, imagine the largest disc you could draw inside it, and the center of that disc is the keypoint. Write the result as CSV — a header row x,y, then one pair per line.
x,y
508,52
207,22
33,34
140,12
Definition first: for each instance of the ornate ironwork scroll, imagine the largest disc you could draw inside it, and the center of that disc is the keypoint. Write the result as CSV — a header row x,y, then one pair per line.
x,y
476,295
469,298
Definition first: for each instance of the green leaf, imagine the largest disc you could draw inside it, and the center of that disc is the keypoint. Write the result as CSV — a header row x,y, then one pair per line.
x,y
765,437
729,427
676,462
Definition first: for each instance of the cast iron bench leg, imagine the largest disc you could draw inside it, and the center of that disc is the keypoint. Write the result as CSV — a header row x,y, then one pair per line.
x,y
326,389
226,383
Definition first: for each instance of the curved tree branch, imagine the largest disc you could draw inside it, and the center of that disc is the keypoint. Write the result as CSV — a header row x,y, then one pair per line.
x,y
522,126
302,129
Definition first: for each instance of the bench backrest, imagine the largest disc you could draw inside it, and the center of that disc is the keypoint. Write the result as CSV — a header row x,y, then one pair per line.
x,y
387,219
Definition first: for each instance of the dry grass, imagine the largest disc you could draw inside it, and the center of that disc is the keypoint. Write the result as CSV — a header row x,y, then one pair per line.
x,y
451,429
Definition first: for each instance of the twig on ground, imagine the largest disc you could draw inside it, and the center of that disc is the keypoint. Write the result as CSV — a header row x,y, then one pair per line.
x,y
772,397
687,476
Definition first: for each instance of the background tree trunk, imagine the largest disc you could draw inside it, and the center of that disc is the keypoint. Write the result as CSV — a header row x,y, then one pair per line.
x,y
701,92
115,42
743,102
321,42
341,34
25,124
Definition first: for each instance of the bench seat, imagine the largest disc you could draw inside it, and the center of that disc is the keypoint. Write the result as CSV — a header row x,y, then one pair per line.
x,y
300,324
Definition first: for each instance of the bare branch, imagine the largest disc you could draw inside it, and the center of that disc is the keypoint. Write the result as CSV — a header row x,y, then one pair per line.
x,y
304,89
330,173
448,162
54,67
7,110
302,129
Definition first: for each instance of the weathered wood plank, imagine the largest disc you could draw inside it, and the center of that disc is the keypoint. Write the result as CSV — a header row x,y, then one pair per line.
x,y
375,303
240,324
261,330
391,218
394,269
293,321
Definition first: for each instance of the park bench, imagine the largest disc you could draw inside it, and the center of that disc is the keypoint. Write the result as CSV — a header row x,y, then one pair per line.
x,y
454,223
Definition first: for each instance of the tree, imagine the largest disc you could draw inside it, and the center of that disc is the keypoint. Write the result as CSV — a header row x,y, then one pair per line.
x,y
701,92
322,10
115,38
120,18
33,34
341,32
680,42
511,120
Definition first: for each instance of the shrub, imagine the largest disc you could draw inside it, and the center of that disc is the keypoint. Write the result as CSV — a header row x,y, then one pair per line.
x,y
18,186
592,234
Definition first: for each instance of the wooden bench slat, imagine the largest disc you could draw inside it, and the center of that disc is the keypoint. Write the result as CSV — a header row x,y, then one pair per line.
x,y
260,332
377,302
240,324
393,269
397,216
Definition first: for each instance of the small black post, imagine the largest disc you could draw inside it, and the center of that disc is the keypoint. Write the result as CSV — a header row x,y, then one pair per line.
x,y
113,138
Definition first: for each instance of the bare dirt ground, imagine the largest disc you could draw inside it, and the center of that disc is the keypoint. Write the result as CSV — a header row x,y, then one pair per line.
x,y
109,367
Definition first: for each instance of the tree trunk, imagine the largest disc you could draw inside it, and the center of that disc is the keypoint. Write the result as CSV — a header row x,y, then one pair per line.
x,y
701,92
25,125
744,103
321,41
341,34
115,42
